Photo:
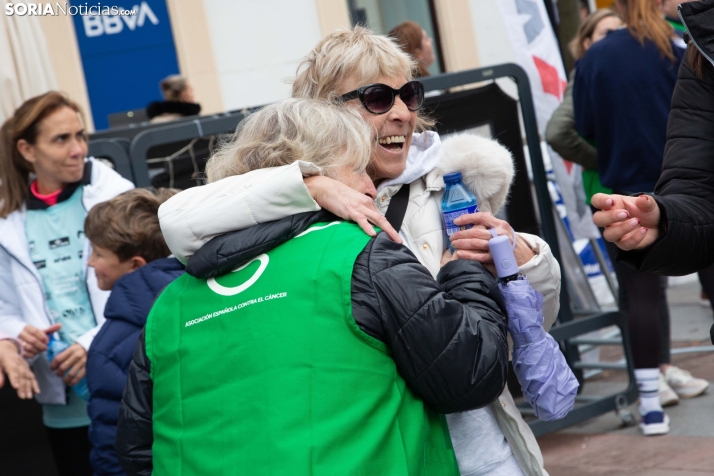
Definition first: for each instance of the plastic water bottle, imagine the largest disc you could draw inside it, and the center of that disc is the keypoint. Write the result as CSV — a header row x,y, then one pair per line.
x,y
458,200
54,347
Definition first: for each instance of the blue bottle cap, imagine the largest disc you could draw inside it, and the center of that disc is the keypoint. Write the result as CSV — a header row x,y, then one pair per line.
x,y
452,178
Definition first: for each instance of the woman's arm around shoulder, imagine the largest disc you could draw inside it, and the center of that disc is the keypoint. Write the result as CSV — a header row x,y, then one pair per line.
x,y
191,218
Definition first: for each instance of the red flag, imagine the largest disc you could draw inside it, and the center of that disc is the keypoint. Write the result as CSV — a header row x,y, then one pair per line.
x,y
552,84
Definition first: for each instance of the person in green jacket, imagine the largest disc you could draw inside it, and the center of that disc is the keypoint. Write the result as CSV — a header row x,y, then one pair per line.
x,y
304,346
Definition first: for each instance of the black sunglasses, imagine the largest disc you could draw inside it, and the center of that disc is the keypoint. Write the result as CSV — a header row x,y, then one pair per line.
x,y
379,98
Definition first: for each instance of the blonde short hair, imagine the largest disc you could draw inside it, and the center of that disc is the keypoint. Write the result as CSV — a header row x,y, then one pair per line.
x,y
320,132
358,54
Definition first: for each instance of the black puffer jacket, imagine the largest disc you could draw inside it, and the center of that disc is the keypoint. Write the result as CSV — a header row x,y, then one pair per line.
x,y
447,337
685,190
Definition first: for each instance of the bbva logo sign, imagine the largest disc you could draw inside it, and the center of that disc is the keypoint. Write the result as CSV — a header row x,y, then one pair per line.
x,y
96,25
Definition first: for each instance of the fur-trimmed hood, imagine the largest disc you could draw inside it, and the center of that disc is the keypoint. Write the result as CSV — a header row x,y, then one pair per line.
x,y
486,166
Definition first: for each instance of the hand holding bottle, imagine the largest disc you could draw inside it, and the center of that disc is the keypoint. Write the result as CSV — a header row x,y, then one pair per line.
x,y
35,340
473,243
69,362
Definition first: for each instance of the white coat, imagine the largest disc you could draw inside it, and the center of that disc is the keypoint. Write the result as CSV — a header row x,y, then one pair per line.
x,y
22,294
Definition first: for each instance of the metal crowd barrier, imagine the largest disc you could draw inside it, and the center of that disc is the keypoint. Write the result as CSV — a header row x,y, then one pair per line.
x,y
117,152
131,161
171,133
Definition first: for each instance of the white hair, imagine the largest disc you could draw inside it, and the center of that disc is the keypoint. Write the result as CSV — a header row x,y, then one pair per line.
x,y
319,132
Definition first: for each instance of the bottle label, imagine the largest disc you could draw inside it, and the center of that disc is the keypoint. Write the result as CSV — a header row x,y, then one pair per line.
x,y
449,218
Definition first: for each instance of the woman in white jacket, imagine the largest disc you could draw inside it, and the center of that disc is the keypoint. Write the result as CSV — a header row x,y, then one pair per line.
x,y
48,186
360,67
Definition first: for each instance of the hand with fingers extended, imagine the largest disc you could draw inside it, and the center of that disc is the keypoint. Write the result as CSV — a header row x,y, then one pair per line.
x,y
473,243
35,340
70,364
631,223
349,204
18,371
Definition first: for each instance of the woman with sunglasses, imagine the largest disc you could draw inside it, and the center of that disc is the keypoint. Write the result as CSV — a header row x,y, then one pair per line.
x,y
371,73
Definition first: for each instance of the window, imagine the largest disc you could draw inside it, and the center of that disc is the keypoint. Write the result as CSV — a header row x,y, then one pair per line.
x,y
381,16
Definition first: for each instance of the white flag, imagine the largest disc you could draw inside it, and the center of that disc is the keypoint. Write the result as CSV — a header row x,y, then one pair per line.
x,y
537,52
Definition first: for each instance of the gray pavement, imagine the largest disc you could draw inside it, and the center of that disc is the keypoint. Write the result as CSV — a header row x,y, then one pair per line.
x,y
604,446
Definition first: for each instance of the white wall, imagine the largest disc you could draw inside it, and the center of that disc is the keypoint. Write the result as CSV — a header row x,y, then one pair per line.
x,y
494,46
258,45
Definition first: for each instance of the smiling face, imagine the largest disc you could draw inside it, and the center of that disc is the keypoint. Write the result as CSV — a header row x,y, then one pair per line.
x,y
57,156
108,267
392,130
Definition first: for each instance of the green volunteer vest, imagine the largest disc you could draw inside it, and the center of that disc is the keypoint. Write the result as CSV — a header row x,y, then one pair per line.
x,y
264,372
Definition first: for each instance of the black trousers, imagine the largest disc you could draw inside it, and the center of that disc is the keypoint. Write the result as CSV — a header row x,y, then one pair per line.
x,y
643,297
70,448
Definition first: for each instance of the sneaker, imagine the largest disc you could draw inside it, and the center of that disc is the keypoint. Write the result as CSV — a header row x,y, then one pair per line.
x,y
655,423
683,383
667,396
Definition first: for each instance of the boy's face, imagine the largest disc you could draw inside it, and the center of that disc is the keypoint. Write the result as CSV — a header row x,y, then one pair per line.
x,y
109,268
